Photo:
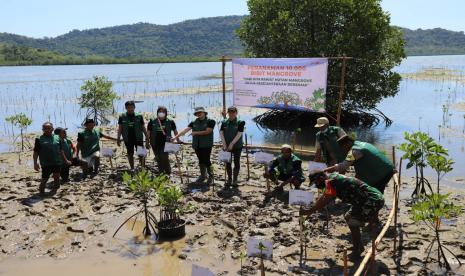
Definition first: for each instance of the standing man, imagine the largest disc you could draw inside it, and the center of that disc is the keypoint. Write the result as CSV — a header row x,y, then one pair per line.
x,y
47,149
159,132
67,150
131,125
202,142
327,148
287,167
89,146
231,135
371,165
366,202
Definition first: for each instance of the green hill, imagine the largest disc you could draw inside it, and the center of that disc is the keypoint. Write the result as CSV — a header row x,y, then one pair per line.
x,y
191,40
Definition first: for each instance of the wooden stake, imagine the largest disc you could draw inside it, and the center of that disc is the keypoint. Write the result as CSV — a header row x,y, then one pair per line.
x,y
179,167
341,90
373,250
396,207
111,163
268,188
223,75
301,224
247,157
346,270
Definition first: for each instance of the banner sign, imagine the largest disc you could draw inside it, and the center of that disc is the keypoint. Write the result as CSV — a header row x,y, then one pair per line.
x,y
284,83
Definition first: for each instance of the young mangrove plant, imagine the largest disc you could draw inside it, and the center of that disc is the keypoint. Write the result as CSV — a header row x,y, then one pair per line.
x,y
439,161
144,186
430,209
262,248
97,98
416,149
242,257
21,121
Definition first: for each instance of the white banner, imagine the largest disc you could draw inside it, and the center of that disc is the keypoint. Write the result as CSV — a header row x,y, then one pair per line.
x,y
284,83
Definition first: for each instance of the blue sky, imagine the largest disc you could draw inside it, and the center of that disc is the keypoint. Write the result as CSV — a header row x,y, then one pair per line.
x,y
39,18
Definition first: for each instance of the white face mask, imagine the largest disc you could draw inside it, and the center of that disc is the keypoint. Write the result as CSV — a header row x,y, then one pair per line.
x,y
161,115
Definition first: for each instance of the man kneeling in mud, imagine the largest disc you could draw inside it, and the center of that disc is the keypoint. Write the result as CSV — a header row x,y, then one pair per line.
x,y
287,168
366,202
89,146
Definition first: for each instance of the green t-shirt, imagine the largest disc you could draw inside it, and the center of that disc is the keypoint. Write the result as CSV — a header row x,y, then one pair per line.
x,y
48,148
89,141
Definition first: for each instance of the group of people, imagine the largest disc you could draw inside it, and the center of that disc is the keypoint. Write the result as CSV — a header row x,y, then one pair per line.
x,y
373,170
56,153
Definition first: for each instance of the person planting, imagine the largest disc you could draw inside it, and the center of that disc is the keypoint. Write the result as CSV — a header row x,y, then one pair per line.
x,y
132,127
231,136
365,202
159,131
287,168
47,150
202,142
89,147
67,150
371,165
326,146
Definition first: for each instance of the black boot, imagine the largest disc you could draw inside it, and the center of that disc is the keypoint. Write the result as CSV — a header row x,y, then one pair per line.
x,y
211,178
229,173
235,177
203,172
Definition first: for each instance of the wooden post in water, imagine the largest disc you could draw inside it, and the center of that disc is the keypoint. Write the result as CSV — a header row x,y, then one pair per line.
x,y
341,90
223,75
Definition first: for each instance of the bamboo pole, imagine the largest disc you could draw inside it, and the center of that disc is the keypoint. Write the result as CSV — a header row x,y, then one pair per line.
x,y
247,157
365,260
341,91
397,191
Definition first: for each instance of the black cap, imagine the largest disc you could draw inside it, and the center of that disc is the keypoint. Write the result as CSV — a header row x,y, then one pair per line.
x,y
129,103
88,121
232,108
58,130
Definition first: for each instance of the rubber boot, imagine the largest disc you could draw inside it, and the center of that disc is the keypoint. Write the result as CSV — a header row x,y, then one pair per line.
x,y
235,177
229,172
96,165
42,187
357,248
211,177
203,172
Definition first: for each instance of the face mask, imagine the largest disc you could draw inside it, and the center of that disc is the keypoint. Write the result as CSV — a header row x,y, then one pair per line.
x,y
161,115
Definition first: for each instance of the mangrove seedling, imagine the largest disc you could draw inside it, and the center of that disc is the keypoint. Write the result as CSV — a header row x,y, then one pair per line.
x,y
430,209
144,185
170,198
21,121
262,248
242,257
416,149
437,159
97,98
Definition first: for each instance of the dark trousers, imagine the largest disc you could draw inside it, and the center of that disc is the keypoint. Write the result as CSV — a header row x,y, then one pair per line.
x,y
163,161
236,156
64,172
203,154
381,185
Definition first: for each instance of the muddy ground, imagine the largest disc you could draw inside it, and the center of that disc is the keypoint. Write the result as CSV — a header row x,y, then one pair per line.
x,y
71,231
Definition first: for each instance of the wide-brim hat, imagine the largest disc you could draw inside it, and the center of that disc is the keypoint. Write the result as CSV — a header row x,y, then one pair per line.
x,y
322,121
200,109
286,146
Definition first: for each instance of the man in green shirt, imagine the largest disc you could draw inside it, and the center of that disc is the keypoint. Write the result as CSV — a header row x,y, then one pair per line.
x,y
326,146
287,168
202,142
365,202
132,127
67,150
47,150
89,146
231,135
370,164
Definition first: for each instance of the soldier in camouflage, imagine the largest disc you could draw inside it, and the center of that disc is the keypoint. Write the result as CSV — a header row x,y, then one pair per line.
x,y
365,202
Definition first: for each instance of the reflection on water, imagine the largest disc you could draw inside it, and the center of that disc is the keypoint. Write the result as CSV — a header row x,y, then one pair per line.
x,y
49,93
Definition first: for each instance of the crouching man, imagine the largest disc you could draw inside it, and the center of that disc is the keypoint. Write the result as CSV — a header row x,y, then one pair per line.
x,y
89,146
286,168
365,202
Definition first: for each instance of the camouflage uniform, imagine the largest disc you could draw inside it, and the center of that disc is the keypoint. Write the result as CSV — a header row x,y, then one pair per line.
x,y
366,201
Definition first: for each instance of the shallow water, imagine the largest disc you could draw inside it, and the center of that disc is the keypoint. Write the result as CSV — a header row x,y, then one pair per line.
x,y
49,93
